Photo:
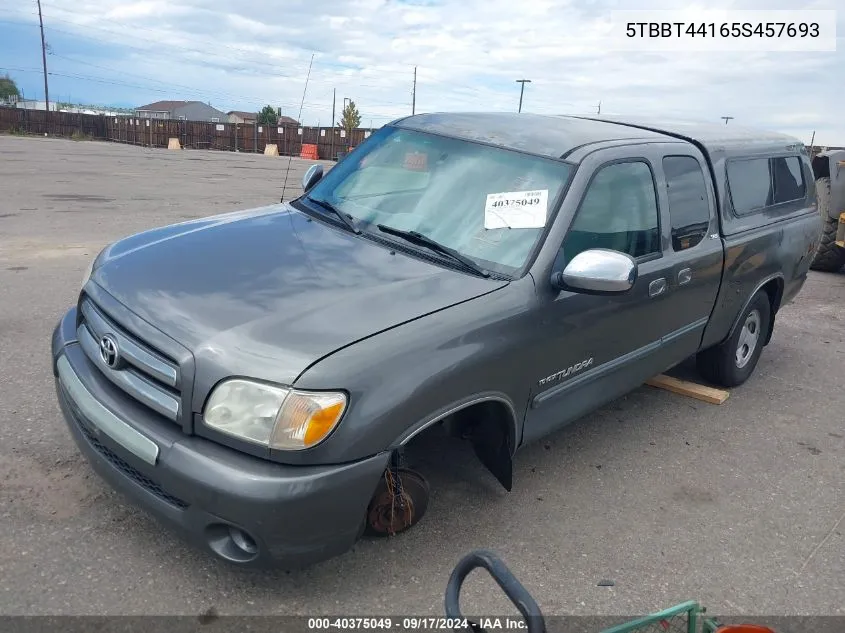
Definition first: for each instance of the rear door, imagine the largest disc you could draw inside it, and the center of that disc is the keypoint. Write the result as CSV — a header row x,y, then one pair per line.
x,y
694,254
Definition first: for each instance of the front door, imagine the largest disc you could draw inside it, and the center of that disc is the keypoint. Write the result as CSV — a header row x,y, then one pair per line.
x,y
592,349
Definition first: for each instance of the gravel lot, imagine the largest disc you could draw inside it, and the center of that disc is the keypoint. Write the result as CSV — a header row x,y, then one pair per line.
x,y
740,506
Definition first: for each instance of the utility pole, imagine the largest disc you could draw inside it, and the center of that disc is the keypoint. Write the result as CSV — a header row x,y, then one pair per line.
x,y
726,118
44,61
521,90
599,108
414,94
334,95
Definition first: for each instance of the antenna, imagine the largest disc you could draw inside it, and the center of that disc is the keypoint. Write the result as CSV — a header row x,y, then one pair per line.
x,y
299,119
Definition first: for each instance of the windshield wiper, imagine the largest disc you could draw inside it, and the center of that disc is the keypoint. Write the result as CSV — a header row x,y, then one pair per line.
x,y
424,240
345,218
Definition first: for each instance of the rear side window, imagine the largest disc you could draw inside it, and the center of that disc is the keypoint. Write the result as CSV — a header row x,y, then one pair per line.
x,y
758,183
788,179
689,207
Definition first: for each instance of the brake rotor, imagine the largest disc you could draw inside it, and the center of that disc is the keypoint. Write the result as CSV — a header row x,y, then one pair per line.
x,y
397,505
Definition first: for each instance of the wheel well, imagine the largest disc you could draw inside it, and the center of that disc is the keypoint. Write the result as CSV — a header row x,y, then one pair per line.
x,y
482,417
491,428
774,289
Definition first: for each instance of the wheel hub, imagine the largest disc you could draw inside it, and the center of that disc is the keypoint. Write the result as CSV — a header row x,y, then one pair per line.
x,y
399,502
748,338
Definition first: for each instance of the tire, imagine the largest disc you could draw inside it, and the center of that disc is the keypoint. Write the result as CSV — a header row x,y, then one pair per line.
x,y
829,257
732,363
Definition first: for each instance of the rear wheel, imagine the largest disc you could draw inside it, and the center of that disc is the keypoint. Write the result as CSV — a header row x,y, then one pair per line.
x,y
732,363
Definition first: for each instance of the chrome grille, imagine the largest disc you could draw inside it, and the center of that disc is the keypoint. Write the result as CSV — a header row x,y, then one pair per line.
x,y
142,372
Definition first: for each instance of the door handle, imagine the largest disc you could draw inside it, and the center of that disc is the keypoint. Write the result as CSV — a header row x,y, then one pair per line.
x,y
657,287
684,276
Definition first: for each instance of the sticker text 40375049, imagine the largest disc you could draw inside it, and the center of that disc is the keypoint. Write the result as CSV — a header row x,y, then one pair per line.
x,y
516,209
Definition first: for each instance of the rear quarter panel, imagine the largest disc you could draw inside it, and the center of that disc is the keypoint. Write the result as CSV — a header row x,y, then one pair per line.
x,y
777,244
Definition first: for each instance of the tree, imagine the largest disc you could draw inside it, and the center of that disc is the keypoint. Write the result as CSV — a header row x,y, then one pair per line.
x,y
350,119
8,88
268,115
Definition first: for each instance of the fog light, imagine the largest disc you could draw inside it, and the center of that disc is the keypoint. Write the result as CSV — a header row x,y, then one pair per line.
x,y
231,543
243,540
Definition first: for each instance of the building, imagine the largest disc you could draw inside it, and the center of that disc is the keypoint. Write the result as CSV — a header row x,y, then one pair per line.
x,y
239,116
32,104
181,111
286,120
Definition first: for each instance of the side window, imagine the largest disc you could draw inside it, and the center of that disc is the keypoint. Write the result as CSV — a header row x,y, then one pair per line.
x,y
758,183
689,207
619,212
788,178
750,181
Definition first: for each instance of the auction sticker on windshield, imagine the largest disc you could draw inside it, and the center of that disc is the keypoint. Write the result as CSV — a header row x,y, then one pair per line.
x,y
516,209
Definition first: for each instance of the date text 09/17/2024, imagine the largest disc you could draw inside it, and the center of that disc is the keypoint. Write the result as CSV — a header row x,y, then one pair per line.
x,y
415,624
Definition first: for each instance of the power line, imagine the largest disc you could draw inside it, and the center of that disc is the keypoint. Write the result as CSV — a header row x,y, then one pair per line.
x,y
189,90
228,59
215,45
227,67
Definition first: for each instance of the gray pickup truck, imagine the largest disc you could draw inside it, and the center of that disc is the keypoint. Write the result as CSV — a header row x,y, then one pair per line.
x,y
254,378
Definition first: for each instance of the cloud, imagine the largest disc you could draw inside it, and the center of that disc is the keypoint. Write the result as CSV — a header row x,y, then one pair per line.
x,y
468,54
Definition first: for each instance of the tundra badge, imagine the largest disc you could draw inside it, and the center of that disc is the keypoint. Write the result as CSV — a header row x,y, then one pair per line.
x,y
564,373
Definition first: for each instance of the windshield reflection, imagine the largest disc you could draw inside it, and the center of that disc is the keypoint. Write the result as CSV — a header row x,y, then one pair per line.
x,y
486,203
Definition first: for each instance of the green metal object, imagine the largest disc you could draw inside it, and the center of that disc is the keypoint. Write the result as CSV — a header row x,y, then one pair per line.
x,y
682,618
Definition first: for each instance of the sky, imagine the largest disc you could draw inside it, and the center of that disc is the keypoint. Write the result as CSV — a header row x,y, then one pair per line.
x,y
468,55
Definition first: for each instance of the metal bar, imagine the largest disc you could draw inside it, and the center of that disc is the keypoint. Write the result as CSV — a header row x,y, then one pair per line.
x,y
671,612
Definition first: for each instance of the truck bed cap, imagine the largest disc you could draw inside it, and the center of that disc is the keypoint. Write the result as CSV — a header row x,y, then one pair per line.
x,y
554,136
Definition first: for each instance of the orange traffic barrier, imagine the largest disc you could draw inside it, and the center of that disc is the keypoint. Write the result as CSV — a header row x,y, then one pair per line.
x,y
309,151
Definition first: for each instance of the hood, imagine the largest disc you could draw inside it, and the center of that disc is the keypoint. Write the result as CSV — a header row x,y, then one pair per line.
x,y
268,292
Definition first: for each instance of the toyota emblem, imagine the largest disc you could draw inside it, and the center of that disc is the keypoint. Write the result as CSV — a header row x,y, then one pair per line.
x,y
108,351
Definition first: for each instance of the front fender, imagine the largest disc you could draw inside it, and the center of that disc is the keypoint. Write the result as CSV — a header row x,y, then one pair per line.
x,y
405,379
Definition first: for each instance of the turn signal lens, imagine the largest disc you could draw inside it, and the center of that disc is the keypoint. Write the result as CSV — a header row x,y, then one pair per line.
x,y
306,419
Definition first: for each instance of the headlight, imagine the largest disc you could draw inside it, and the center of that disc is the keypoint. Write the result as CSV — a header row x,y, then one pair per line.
x,y
276,417
88,270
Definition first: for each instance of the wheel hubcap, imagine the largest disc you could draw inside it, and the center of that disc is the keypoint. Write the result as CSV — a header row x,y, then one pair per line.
x,y
748,339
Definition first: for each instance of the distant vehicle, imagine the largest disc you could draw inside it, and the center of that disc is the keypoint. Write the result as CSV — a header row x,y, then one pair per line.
x,y
253,378
829,170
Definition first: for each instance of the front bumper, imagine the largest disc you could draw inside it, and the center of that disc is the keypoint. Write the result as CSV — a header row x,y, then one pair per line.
x,y
244,509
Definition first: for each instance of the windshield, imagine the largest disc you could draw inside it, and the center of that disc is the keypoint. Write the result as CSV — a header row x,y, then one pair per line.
x,y
486,203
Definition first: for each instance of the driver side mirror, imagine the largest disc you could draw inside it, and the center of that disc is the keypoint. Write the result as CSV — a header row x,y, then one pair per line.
x,y
597,271
311,177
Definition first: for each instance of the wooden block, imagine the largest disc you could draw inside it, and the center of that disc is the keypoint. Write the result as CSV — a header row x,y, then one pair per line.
x,y
271,149
691,389
173,143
